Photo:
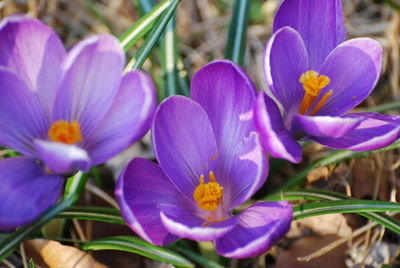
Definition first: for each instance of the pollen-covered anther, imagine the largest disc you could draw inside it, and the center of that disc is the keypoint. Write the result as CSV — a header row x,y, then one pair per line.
x,y
65,132
313,84
208,195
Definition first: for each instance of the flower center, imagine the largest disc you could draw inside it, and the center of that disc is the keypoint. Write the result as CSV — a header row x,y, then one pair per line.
x,y
208,195
65,132
313,83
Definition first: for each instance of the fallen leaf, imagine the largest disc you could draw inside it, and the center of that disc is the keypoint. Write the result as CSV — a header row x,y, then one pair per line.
x,y
55,255
317,174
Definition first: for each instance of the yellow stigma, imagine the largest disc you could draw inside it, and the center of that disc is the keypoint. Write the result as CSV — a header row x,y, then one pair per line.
x,y
313,84
65,132
208,195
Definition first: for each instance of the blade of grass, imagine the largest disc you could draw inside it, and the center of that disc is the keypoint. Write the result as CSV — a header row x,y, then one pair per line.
x,y
342,206
11,241
145,49
170,59
236,44
335,157
144,25
392,106
138,246
314,194
198,259
103,214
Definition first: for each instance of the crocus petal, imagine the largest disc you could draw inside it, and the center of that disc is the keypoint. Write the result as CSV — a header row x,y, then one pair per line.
x,y
35,52
184,142
285,61
227,94
325,126
25,192
22,118
354,69
259,227
184,223
320,24
62,158
141,186
248,161
128,119
91,75
373,133
274,136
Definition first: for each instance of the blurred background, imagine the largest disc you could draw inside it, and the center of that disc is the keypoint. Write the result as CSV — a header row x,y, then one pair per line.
x,y
201,30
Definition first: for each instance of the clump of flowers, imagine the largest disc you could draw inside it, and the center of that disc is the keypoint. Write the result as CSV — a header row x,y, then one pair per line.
x,y
210,161
69,110
317,77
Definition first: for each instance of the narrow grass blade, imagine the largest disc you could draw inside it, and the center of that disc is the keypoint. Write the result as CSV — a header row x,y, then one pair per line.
x,y
236,44
314,194
11,241
138,246
143,25
343,206
170,59
335,157
103,214
145,49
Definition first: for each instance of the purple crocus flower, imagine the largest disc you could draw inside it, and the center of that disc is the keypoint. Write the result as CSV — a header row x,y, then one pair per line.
x,y
317,78
69,110
210,161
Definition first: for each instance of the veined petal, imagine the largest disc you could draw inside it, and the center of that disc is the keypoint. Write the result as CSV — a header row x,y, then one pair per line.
x,y
274,136
128,119
325,126
259,227
35,52
372,133
353,68
141,186
22,118
91,74
26,191
228,95
182,222
184,143
243,172
62,158
320,24
285,61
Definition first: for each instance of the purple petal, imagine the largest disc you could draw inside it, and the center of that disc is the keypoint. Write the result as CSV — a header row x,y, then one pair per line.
x,y
274,136
227,94
325,126
320,24
91,75
62,158
285,61
354,69
184,223
247,160
22,118
141,187
128,119
260,226
184,142
373,133
35,52
26,191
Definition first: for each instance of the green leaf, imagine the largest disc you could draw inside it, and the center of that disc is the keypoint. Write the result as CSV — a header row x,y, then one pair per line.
x,y
170,59
13,240
143,25
391,106
314,194
204,262
236,44
103,214
32,264
343,206
138,246
333,158
151,40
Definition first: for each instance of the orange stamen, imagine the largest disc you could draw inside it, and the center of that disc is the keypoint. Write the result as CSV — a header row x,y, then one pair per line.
x,y
313,83
65,132
208,195
321,102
